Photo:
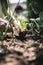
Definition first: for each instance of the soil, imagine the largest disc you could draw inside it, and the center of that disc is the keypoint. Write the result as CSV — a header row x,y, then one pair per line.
x,y
18,50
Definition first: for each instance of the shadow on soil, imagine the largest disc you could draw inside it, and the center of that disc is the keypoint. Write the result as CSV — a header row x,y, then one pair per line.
x,y
19,59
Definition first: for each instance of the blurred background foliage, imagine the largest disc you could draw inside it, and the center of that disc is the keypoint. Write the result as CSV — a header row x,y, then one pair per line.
x,y
34,7
35,14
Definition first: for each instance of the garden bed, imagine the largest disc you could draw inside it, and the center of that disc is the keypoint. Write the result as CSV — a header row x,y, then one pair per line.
x,y
22,51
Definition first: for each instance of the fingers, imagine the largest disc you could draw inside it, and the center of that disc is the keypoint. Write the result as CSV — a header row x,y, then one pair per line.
x,y
15,25
3,23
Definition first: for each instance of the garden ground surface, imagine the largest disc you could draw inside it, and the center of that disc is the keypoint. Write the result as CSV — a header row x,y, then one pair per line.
x,y
22,51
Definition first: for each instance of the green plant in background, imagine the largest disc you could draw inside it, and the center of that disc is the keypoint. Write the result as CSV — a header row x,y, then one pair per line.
x,y
22,24
34,7
35,14
34,26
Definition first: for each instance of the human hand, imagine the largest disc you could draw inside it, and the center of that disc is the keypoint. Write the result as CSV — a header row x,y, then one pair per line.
x,y
3,23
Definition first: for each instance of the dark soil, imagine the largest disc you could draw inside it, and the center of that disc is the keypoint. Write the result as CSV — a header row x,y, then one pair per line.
x,y
18,50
